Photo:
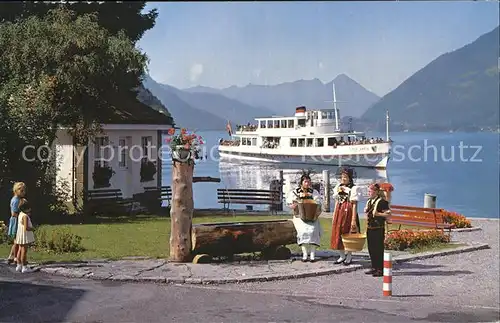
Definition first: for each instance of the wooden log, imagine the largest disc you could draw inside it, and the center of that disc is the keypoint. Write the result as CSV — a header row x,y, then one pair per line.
x,y
198,179
181,212
224,239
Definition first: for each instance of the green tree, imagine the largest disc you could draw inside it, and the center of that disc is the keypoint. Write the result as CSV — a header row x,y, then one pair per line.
x,y
58,70
113,16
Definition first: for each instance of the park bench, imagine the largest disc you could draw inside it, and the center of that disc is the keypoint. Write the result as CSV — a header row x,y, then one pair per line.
x,y
107,201
162,193
418,216
250,196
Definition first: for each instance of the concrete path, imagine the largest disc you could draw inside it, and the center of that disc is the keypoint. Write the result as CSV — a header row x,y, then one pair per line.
x,y
161,271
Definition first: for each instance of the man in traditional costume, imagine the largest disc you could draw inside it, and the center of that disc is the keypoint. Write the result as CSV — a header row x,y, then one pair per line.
x,y
376,210
308,230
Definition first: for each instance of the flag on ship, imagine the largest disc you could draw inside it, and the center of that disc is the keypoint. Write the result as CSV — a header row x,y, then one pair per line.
x,y
229,129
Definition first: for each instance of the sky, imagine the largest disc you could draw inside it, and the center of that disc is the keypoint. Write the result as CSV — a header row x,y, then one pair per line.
x,y
378,44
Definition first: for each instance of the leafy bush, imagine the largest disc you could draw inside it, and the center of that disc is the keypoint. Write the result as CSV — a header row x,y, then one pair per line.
x,y
408,239
458,220
3,233
58,240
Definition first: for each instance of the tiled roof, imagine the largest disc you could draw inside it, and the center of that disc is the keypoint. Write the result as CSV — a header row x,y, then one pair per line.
x,y
130,110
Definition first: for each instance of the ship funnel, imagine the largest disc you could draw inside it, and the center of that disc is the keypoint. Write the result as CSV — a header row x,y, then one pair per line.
x,y
300,111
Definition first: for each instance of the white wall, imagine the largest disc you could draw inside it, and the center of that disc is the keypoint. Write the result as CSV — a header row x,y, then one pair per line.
x,y
127,179
63,146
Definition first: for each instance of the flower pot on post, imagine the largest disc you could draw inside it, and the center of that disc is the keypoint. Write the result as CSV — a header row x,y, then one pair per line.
x,y
148,170
102,176
184,151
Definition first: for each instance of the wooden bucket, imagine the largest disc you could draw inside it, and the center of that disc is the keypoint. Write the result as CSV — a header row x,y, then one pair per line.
x,y
354,241
308,210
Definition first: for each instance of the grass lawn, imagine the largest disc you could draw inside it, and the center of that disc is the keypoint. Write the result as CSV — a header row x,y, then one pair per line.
x,y
143,236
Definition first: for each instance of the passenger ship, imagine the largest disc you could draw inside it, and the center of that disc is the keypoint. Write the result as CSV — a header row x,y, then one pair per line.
x,y
309,137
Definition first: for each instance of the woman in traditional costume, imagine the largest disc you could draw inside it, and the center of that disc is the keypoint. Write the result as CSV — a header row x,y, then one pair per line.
x,y
345,214
308,232
376,210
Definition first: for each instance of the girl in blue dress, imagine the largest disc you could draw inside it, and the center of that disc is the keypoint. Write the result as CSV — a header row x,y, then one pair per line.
x,y
19,190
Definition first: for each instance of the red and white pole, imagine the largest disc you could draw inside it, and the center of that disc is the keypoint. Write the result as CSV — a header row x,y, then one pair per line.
x,y
387,286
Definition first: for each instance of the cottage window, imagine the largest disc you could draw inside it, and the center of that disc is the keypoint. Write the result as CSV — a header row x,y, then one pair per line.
x,y
254,141
302,142
262,124
283,123
290,124
146,146
293,142
269,123
276,123
101,151
122,148
320,142
309,142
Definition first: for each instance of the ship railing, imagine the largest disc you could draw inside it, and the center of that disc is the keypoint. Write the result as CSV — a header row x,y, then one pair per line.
x,y
229,143
362,142
247,128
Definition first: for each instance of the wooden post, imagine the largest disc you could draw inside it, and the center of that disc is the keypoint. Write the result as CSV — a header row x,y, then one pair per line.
x,y
326,191
282,182
181,212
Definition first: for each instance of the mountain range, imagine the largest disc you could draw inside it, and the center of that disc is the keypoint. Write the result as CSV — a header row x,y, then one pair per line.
x,y
457,91
205,108
282,98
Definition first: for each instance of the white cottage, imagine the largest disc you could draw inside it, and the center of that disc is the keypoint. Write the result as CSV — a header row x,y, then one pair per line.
x,y
131,140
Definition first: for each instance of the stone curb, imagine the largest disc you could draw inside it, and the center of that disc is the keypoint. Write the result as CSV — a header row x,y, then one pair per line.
x,y
79,272
466,229
432,254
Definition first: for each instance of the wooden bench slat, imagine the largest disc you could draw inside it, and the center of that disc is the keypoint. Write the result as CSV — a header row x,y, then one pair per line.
x,y
159,190
231,200
253,202
274,195
249,196
231,190
414,208
415,216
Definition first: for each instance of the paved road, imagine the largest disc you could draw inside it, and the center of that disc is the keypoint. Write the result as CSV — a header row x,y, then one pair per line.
x,y
39,298
457,288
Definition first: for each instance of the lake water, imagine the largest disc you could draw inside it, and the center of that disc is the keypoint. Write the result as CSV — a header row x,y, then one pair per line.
x,y
461,169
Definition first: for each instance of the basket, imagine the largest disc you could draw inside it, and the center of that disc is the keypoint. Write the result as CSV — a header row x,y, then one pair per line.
x,y
308,210
354,241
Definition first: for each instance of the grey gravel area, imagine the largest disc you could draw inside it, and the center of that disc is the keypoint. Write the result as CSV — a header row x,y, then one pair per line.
x,y
459,287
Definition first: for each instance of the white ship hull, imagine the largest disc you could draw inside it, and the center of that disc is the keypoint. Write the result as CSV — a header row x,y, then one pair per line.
x,y
370,155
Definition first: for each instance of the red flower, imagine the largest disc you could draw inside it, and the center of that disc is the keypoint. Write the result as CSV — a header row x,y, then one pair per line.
x,y
171,131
